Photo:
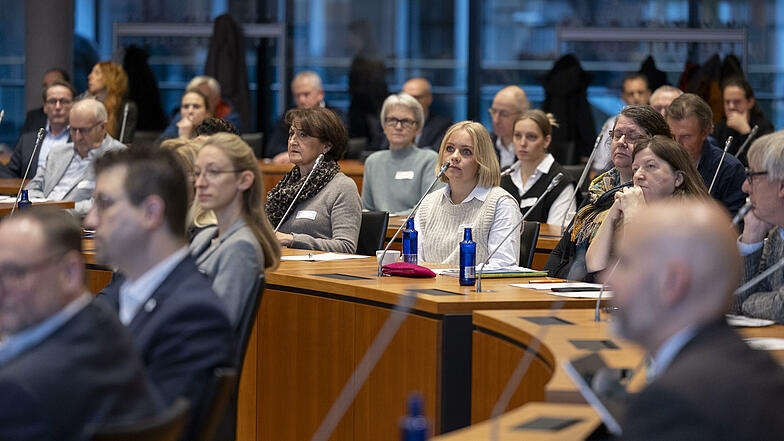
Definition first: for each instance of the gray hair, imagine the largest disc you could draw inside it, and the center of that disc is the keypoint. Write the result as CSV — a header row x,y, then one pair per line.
x,y
407,101
212,83
664,89
97,107
690,105
308,75
767,152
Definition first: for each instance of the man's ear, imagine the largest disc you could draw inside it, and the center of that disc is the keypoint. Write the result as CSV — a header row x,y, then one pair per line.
x,y
154,210
675,283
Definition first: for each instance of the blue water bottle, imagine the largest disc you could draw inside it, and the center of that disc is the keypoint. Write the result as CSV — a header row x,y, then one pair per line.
x,y
25,201
467,260
413,427
410,242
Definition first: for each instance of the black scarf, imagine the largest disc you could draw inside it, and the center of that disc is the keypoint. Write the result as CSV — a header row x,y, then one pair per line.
x,y
280,197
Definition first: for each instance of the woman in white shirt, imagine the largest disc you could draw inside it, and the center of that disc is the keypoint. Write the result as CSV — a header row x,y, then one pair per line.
x,y
472,198
535,169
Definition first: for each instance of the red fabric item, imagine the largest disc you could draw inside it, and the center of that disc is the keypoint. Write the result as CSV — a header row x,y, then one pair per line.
x,y
407,270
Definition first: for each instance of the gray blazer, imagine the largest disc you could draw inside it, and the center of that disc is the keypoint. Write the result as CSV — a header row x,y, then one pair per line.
x,y
47,177
233,263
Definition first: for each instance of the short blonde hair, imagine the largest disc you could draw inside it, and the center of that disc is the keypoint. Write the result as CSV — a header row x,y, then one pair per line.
x,y
489,171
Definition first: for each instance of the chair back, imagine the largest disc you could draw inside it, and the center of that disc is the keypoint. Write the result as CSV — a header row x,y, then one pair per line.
x,y
372,232
166,426
244,326
528,238
214,415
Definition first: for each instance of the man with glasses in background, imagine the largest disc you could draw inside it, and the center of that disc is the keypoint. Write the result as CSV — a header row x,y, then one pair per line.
x,y
58,98
67,174
509,103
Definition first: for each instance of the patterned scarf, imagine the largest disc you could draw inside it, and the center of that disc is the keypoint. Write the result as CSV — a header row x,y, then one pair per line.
x,y
280,197
590,217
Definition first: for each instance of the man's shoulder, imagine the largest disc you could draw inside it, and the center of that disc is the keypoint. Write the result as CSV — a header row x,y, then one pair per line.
x,y
186,278
110,144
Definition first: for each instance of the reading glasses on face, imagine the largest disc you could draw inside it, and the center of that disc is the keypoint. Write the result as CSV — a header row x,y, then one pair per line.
x,y
82,130
631,138
211,174
405,122
56,101
750,175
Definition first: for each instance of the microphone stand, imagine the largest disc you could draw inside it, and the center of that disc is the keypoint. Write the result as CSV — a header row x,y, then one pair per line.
x,y
556,180
742,212
40,138
582,178
125,119
413,210
307,178
2,114
726,146
597,316
752,133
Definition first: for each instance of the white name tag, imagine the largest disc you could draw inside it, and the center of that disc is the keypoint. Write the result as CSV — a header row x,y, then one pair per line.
x,y
306,214
527,202
86,185
404,174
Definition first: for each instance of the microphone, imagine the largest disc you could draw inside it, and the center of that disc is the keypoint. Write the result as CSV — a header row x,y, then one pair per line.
x,y
556,180
726,146
2,114
124,121
294,201
752,133
583,175
506,172
40,138
744,210
413,211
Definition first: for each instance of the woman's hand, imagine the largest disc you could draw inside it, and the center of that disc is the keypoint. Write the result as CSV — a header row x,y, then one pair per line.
x,y
630,201
185,127
285,239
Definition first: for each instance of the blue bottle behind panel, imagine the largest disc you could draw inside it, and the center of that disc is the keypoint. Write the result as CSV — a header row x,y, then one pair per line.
x,y
413,427
24,202
410,243
467,259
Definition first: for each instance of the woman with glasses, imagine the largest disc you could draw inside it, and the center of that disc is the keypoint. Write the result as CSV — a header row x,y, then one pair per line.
x,y
662,169
322,212
236,251
535,169
395,179
634,124
108,83
472,198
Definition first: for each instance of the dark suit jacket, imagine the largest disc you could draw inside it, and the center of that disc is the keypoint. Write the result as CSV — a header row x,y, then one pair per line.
x,y
34,120
87,371
432,133
22,155
727,188
182,332
717,388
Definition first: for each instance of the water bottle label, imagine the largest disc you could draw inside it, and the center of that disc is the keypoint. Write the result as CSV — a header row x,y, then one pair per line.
x,y
470,272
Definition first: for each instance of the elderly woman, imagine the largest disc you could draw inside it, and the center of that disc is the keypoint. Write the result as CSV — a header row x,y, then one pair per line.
x,y
535,169
395,179
108,83
634,124
471,197
662,169
327,213
236,251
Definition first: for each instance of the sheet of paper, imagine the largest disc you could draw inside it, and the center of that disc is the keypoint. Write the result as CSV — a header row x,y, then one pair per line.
x,y
488,270
766,343
741,321
11,199
566,285
323,257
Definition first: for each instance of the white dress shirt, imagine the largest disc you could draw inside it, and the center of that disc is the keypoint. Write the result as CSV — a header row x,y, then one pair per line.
x,y
506,152
564,204
133,294
48,142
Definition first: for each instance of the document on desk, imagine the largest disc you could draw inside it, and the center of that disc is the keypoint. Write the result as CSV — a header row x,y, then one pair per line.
x,y
11,199
765,343
323,257
741,321
569,289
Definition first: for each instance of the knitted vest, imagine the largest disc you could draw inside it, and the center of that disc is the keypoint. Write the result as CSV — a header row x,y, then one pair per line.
x,y
442,225
541,211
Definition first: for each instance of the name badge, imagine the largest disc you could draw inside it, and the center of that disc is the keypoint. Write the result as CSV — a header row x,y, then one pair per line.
x,y
404,174
89,185
306,214
527,202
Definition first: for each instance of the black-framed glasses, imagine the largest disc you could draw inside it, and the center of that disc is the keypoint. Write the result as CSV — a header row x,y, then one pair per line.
x,y
750,175
405,122
83,130
210,174
14,275
56,101
631,138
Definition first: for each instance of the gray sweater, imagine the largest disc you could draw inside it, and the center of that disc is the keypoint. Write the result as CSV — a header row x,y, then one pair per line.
x,y
329,221
766,300
394,180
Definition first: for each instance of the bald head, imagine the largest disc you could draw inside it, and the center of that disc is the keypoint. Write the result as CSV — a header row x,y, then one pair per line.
x,y
419,88
509,103
678,265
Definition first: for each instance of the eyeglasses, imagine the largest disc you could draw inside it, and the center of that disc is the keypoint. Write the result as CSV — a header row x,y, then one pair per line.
x,y
299,134
631,138
501,113
750,175
82,130
13,275
56,101
210,175
405,122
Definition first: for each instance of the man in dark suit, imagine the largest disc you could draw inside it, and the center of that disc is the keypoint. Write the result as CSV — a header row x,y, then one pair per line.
x,y
58,98
178,323
65,360
678,265
36,118
509,103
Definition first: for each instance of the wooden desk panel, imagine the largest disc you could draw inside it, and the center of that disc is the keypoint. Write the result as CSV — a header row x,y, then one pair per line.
x,y
11,185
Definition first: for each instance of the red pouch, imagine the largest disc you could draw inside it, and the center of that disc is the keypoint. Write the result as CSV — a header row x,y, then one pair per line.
x,y
407,270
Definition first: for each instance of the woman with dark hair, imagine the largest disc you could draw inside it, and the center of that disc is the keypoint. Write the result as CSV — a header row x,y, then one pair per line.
x,y
327,212
194,109
236,251
662,169
741,113
634,124
108,83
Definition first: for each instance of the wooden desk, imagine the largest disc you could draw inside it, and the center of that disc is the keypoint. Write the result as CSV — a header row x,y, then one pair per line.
x,y
313,329
273,173
10,185
5,207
